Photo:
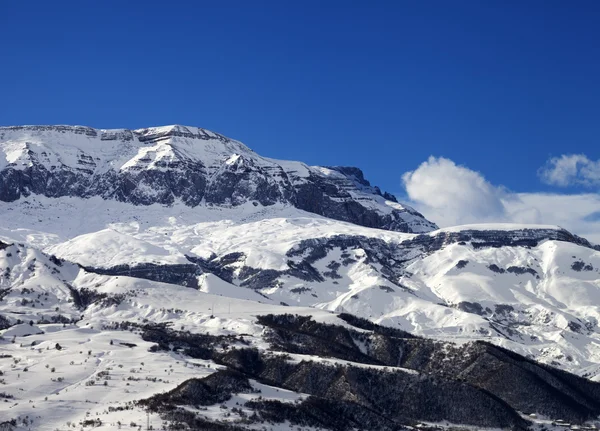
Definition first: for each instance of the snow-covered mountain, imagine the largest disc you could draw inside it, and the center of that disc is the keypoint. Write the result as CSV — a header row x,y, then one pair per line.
x,y
180,242
185,164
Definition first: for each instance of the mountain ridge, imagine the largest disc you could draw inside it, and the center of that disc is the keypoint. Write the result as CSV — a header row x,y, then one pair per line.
x,y
165,164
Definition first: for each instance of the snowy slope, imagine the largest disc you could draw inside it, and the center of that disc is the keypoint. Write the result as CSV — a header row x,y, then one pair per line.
x,y
109,353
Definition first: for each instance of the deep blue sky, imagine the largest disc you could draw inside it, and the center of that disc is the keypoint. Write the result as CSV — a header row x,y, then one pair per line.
x,y
496,85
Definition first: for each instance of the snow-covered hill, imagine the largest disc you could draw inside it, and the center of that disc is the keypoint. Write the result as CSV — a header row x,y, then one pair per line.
x,y
117,238
87,350
533,289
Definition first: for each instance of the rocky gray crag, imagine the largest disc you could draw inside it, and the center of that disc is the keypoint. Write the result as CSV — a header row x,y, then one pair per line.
x,y
195,166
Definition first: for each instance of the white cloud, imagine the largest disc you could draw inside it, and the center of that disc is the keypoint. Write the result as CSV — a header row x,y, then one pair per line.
x,y
449,194
571,169
453,194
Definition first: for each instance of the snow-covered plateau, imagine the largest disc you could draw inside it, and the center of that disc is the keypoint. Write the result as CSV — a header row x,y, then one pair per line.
x,y
172,277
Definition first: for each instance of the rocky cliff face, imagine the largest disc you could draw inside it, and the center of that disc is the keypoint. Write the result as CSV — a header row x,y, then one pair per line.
x,y
164,165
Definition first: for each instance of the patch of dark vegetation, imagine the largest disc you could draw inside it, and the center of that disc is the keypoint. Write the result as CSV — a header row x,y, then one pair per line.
x,y
254,278
92,423
503,309
179,419
366,324
200,346
231,258
581,266
57,318
316,412
332,274
8,425
577,266
215,388
4,292
304,271
130,345
83,298
333,267
534,386
575,327
386,288
495,268
471,307
519,270
5,322
348,261
221,267
300,289
55,260
302,335
181,274
461,264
